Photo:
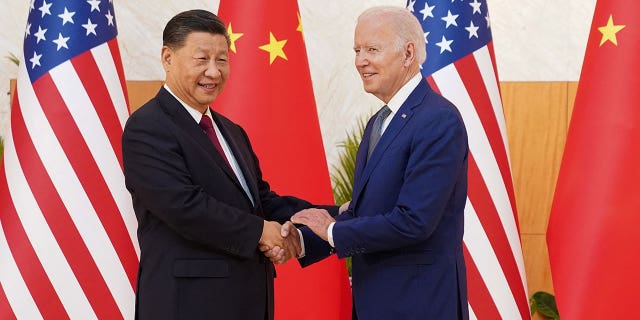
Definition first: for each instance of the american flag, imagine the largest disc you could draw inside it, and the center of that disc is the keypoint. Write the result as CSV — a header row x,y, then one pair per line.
x,y
68,247
461,66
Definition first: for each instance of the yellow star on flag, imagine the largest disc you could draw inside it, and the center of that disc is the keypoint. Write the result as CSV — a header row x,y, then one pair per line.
x,y
233,37
275,48
609,32
299,28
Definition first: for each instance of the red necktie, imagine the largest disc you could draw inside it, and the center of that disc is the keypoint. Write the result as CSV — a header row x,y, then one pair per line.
x,y
207,125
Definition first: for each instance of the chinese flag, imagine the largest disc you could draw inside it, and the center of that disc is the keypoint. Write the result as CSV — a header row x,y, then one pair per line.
x,y
269,93
593,234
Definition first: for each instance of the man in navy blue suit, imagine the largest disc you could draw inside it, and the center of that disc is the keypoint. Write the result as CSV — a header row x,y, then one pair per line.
x,y
405,222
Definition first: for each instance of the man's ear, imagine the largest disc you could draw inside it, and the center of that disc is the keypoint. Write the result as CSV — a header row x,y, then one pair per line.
x,y
409,53
166,55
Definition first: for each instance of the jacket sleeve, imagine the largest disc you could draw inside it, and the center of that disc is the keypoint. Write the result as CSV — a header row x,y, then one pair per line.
x,y
316,249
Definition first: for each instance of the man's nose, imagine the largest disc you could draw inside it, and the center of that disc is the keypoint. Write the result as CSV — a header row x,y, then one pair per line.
x,y
213,70
361,60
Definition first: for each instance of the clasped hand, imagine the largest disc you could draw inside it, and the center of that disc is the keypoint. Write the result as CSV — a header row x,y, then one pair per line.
x,y
318,220
278,242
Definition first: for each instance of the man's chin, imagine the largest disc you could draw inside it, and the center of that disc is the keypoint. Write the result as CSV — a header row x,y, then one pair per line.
x,y
208,99
369,89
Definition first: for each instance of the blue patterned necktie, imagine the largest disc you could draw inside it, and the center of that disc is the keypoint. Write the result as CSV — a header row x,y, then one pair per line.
x,y
376,132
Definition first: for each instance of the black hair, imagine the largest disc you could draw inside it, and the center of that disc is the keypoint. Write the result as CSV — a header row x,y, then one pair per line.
x,y
184,23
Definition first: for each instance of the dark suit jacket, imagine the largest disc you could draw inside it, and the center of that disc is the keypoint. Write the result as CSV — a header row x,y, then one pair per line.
x,y
404,225
197,229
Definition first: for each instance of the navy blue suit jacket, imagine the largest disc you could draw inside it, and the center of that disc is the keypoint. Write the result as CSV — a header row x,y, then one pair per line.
x,y
404,225
197,228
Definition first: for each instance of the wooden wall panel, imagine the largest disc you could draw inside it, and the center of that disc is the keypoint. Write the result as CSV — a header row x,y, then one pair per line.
x,y
572,89
536,262
536,117
141,91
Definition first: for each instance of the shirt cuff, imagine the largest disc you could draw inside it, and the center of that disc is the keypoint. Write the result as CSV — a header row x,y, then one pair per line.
x,y
302,251
330,234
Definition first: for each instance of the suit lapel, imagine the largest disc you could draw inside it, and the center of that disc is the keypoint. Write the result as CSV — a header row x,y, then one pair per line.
x,y
185,121
361,161
249,175
365,167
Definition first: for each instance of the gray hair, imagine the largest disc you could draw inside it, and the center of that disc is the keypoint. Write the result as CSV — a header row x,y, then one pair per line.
x,y
406,26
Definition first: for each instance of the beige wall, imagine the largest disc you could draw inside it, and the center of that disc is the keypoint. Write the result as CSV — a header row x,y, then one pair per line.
x,y
534,40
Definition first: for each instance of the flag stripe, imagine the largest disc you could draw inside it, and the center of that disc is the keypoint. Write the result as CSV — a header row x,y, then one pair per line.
x,y
51,180
35,224
462,68
66,217
486,66
45,219
488,217
477,241
487,164
6,312
479,298
479,145
15,236
473,81
477,182
473,84
478,88
23,270
433,84
83,191
28,287
87,70
483,58
472,314
25,279
512,268
114,79
109,61
99,187
494,67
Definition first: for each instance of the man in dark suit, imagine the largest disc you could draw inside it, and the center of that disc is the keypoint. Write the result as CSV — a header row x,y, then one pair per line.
x,y
404,225
199,197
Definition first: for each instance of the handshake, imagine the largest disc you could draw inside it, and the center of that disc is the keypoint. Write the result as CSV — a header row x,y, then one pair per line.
x,y
280,243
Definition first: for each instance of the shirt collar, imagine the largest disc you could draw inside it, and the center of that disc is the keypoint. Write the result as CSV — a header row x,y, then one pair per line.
x,y
403,94
197,116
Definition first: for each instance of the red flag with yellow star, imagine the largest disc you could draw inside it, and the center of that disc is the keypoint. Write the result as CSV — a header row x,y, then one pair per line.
x,y
593,231
269,93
